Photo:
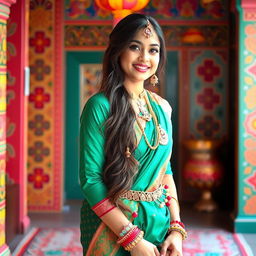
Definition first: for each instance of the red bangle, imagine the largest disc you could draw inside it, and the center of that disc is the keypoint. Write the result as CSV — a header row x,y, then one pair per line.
x,y
131,237
178,222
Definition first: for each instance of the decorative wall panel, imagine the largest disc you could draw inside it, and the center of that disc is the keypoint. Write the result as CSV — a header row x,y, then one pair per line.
x,y
208,93
161,9
45,184
96,36
246,219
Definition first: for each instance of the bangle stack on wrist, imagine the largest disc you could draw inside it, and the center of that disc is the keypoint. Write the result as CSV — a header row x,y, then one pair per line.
x,y
130,236
178,226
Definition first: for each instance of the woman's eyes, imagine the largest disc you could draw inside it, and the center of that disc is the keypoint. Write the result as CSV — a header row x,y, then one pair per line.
x,y
136,47
154,50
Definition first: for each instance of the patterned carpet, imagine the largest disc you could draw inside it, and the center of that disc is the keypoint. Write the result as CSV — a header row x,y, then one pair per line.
x,y
66,242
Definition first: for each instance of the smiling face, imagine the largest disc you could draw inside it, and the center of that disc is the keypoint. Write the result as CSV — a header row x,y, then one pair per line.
x,y
140,59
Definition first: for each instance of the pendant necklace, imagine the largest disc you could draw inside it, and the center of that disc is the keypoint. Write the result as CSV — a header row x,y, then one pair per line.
x,y
161,134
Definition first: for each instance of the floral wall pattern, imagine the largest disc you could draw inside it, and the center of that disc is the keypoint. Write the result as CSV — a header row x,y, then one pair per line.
x,y
248,120
44,151
208,76
246,216
161,9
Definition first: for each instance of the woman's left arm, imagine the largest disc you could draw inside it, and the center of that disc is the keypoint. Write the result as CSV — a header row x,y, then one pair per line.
x,y
172,245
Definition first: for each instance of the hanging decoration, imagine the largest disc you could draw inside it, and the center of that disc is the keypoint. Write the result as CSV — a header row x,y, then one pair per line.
x,y
121,8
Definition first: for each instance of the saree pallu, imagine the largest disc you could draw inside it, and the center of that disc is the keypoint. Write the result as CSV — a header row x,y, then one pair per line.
x,y
97,239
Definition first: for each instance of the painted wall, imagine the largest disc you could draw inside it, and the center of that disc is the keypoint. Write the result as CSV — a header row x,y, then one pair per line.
x,y
4,15
45,120
246,216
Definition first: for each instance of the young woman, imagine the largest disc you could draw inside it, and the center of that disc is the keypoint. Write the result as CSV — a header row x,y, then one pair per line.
x,y
131,205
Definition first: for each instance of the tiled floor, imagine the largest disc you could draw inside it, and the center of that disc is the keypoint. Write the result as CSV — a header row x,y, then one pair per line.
x,y
71,217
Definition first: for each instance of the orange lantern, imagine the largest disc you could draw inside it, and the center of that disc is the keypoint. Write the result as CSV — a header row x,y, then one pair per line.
x,y
121,8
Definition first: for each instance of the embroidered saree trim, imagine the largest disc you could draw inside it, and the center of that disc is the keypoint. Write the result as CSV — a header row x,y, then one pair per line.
x,y
99,246
103,207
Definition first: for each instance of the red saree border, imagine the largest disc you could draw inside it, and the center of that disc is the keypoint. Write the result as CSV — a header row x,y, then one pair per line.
x,y
98,246
103,207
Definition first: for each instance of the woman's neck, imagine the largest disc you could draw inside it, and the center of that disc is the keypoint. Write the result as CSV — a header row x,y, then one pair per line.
x,y
134,89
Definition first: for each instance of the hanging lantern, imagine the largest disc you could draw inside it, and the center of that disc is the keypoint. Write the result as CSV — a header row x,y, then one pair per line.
x,y
121,8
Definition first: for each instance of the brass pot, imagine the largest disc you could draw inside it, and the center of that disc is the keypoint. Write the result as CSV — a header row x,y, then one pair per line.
x,y
203,170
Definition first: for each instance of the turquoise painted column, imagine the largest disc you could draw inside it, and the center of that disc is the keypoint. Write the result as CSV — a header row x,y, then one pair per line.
x,y
245,221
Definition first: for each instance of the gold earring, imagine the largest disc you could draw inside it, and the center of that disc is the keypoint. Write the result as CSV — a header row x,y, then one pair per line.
x,y
154,80
127,152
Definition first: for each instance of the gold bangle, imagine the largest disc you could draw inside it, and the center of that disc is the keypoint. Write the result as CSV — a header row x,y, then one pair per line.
x,y
179,229
131,245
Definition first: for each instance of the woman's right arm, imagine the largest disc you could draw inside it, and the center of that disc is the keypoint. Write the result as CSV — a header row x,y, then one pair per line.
x,y
92,159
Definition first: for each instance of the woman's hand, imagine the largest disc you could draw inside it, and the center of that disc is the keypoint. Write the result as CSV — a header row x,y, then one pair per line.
x,y
145,248
172,246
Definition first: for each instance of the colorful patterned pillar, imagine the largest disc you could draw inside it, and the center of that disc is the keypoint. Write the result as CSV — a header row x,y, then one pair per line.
x,y
246,216
4,15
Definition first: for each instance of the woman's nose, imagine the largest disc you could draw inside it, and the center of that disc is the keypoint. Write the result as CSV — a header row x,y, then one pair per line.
x,y
144,56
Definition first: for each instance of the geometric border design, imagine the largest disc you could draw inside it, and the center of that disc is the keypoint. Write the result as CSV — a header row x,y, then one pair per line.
x,y
81,36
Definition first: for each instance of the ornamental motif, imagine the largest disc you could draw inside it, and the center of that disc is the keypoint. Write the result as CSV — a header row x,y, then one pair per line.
x,y
251,180
40,42
86,35
2,44
250,98
38,151
179,9
208,126
208,70
11,30
208,98
85,10
39,69
250,205
187,8
250,123
250,40
39,97
250,152
252,70
39,125
38,178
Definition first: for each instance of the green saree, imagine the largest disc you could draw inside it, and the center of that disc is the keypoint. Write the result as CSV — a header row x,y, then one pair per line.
x,y
97,239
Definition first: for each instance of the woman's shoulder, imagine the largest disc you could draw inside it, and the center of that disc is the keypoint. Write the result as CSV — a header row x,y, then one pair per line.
x,y
97,104
162,102
98,99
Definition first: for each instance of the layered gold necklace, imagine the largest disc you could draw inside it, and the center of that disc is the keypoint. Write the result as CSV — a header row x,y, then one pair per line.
x,y
161,135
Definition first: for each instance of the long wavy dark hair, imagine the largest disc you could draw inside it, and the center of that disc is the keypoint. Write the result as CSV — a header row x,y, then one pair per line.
x,y
119,170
